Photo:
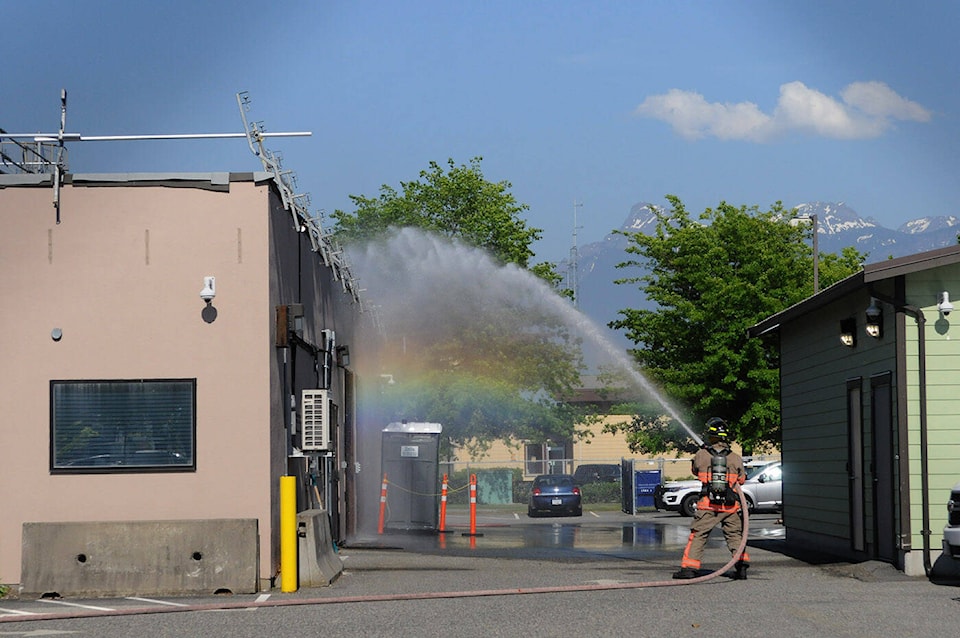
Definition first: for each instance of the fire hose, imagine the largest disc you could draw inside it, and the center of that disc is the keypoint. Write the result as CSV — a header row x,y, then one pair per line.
x,y
290,602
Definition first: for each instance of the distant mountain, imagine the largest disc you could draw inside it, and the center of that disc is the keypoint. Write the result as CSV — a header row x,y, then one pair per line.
x,y
838,226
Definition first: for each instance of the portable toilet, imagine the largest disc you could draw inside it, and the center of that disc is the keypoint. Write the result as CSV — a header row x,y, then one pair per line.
x,y
410,458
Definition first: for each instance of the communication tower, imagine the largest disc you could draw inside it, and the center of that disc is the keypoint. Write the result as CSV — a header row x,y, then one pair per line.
x,y
573,266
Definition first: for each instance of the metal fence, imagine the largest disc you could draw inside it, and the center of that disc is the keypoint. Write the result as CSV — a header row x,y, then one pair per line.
x,y
671,468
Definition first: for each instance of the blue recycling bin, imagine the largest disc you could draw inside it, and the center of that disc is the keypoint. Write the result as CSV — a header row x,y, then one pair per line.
x,y
645,482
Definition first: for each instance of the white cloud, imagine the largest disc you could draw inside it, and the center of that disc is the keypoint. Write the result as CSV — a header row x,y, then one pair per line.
x,y
879,100
866,110
693,117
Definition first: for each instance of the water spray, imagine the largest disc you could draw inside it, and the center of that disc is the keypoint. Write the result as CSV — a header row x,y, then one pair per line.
x,y
418,278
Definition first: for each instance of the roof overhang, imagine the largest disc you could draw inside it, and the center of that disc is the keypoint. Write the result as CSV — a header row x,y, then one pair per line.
x,y
871,273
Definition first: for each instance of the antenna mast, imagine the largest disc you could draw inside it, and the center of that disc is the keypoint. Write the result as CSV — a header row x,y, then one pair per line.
x,y
45,153
573,276
297,204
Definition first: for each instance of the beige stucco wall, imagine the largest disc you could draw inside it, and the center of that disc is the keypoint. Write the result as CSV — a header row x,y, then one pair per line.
x,y
121,276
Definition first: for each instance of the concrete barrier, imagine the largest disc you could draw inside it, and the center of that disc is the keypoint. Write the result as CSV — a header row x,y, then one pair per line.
x,y
124,558
319,563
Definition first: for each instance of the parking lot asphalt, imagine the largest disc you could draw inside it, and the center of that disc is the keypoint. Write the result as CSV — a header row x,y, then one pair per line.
x,y
594,575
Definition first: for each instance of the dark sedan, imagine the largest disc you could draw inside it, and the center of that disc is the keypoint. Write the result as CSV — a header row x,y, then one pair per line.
x,y
555,494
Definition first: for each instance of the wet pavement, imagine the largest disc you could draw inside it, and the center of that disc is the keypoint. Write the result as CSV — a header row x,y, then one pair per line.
x,y
603,573
597,533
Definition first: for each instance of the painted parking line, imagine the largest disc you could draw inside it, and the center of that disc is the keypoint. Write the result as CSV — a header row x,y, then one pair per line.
x,y
262,598
157,602
15,612
65,603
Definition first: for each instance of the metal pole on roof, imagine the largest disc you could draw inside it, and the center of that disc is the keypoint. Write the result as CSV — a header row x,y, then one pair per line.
x,y
77,137
58,165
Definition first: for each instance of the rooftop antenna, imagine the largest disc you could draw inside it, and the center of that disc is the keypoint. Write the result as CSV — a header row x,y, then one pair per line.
x,y
46,153
297,204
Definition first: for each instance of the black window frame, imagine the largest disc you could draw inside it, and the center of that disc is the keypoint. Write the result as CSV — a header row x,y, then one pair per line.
x,y
137,468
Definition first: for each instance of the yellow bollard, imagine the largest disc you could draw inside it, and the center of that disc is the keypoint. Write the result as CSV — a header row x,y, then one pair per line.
x,y
288,534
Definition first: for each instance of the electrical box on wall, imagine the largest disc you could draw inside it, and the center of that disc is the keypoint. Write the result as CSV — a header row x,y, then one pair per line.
x,y
315,421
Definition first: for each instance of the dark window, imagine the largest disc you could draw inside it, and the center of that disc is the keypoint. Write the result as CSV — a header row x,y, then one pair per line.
x,y
142,425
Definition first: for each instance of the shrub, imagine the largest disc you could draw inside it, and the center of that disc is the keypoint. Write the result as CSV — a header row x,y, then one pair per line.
x,y
600,492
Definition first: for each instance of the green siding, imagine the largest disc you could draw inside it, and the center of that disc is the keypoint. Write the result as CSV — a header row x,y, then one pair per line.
x,y
942,339
815,373
815,370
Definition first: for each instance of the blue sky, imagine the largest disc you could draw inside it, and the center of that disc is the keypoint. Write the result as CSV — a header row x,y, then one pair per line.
x,y
604,103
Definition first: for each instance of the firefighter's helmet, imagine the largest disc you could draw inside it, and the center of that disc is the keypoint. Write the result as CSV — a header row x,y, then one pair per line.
x,y
717,428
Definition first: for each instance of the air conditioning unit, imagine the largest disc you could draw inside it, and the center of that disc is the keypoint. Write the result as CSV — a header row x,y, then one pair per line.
x,y
315,421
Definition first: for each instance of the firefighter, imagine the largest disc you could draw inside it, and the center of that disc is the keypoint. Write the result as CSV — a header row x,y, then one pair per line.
x,y
719,469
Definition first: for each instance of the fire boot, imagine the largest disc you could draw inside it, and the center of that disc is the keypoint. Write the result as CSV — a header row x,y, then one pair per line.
x,y
685,573
741,573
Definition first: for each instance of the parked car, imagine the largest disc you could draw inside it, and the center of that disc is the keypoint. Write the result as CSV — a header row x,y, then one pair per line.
x,y
554,494
951,533
596,473
763,490
764,487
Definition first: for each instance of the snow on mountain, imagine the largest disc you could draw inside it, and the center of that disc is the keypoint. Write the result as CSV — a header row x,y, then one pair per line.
x,y
926,224
835,218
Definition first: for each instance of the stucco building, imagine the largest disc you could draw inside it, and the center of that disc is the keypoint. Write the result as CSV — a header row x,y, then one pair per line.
x,y
131,402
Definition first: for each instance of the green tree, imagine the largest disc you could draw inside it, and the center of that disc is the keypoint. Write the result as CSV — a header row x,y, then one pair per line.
x,y
503,377
711,279
458,202
835,267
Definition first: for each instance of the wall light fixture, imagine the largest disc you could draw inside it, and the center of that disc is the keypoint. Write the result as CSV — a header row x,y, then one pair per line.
x,y
874,315
848,332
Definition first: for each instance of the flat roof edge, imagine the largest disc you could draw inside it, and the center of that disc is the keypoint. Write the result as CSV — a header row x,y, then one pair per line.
x,y
25,179
217,180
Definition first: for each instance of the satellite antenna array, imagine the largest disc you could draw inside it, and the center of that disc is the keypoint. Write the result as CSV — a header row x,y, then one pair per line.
x,y
46,153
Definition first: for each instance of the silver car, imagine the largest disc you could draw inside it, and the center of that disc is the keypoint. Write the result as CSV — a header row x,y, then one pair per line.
x,y
763,488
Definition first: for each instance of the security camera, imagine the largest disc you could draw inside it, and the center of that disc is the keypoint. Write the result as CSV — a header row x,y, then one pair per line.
x,y
945,307
209,289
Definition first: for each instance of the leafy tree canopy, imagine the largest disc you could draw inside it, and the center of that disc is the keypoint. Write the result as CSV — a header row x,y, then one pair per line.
x,y
712,279
457,202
